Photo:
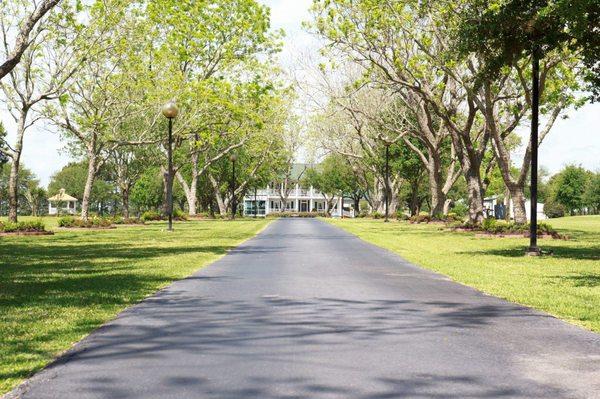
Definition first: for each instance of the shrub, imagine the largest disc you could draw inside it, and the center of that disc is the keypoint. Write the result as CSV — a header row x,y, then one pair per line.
x,y
31,226
377,215
460,209
422,217
400,215
362,214
179,215
66,221
488,224
553,209
151,215
70,221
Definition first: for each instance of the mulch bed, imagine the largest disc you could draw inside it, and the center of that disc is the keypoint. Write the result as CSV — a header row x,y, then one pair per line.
x,y
87,228
26,233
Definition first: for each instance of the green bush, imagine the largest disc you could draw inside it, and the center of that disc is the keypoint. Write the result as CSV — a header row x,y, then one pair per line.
x,y
488,224
553,209
422,217
66,221
70,221
151,215
377,215
31,226
180,215
460,209
400,215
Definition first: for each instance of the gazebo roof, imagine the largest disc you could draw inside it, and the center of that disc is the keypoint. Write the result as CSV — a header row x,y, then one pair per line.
x,y
62,197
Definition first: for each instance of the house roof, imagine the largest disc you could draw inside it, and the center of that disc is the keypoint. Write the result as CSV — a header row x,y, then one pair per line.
x,y
62,196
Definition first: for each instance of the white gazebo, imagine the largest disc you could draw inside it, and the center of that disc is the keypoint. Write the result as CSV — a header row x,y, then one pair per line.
x,y
62,203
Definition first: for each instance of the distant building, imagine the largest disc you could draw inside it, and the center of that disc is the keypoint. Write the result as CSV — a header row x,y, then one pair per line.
x,y
299,200
494,208
62,203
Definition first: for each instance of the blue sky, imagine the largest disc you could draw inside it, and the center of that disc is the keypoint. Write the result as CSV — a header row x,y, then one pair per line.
x,y
573,140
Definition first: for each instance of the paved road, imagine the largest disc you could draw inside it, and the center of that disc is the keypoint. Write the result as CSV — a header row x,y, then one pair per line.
x,y
305,310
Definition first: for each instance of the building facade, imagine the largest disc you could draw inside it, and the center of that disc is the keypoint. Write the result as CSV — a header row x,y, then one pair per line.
x,y
265,201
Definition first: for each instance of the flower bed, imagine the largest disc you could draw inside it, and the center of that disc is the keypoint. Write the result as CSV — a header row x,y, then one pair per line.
x,y
127,221
96,223
24,228
500,228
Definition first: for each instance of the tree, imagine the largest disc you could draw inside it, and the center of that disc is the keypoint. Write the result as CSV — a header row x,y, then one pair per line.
x,y
570,188
23,25
46,65
103,100
591,198
504,32
329,178
416,69
147,191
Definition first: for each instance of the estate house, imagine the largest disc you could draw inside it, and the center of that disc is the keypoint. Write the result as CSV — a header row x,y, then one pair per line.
x,y
299,199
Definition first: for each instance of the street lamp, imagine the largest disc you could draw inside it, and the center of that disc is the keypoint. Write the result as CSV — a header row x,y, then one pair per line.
x,y
387,182
170,111
233,158
534,250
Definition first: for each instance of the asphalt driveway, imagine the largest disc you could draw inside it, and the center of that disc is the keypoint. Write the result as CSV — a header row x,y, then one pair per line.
x,y
305,310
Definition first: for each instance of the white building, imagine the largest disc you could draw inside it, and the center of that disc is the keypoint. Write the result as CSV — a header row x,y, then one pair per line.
x,y
300,199
490,206
62,203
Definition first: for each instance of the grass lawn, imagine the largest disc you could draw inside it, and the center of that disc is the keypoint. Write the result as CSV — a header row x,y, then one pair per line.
x,y
566,284
54,290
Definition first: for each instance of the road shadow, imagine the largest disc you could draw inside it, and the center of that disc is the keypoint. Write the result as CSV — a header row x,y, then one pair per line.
x,y
267,329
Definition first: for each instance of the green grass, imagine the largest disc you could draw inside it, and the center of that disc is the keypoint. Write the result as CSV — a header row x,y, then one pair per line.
x,y
54,290
566,284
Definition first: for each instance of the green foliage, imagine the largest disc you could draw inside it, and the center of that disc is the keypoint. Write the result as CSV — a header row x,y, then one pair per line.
x,y
151,215
93,222
554,209
591,198
178,214
23,227
503,32
147,192
570,188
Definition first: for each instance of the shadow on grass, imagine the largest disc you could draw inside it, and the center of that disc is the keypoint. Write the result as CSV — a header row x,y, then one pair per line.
x,y
558,251
581,280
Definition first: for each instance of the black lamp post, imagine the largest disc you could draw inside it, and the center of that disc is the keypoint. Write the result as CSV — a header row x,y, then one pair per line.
x,y
170,112
233,158
387,182
534,250
255,204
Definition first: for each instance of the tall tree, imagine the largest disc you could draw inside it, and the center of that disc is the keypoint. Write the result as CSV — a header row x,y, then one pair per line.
x,y
45,68
29,15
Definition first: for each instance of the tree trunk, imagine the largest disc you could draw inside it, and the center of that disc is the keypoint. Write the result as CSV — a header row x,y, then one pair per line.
x,y
356,205
13,190
518,199
475,194
447,204
89,183
434,169
125,202
13,181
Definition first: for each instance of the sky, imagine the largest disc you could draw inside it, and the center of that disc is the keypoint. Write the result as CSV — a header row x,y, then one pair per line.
x,y
575,140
